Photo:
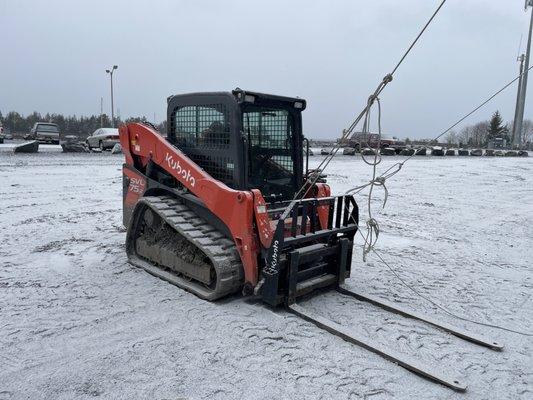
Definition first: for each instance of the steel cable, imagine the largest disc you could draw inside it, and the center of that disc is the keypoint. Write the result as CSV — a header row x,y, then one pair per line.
x,y
347,132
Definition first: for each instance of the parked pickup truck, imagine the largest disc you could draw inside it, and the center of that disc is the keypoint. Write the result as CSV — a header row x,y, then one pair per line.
x,y
44,132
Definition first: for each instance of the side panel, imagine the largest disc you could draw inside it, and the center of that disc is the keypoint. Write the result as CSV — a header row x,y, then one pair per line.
x,y
133,188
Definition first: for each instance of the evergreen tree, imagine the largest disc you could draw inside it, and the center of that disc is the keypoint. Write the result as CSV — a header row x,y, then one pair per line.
x,y
496,127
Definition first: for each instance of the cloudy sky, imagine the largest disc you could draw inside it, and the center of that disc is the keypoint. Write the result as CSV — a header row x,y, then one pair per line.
x,y
332,53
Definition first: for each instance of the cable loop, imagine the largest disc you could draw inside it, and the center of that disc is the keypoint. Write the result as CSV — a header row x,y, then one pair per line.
x,y
376,161
372,235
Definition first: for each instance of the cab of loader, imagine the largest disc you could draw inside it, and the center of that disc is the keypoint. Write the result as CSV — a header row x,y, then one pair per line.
x,y
247,140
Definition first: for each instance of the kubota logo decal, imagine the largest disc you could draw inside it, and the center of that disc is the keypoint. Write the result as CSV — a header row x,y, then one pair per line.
x,y
271,269
184,173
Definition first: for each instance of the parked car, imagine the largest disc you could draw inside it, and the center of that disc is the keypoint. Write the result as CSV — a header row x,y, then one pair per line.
x,y
103,139
44,132
5,133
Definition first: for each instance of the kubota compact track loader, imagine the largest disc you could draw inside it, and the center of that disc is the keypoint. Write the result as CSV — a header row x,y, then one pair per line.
x,y
210,207
213,209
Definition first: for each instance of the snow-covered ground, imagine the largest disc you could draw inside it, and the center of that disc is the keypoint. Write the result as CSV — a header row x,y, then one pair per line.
x,y
77,321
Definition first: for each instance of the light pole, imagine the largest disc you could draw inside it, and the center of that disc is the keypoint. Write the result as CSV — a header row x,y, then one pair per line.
x,y
520,113
110,72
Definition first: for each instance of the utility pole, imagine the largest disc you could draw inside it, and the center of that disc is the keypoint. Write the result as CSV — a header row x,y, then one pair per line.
x,y
110,72
101,112
517,134
516,139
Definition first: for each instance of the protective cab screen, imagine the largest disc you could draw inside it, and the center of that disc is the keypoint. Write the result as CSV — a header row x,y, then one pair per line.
x,y
271,151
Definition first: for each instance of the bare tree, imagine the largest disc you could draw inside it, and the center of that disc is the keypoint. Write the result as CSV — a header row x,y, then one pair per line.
x,y
474,135
527,130
465,135
452,138
480,134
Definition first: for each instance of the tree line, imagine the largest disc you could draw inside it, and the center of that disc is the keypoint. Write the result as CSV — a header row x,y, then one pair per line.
x,y
81,126
481,133
476,135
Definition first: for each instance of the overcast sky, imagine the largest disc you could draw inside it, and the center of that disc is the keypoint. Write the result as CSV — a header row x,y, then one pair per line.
x,y
332,53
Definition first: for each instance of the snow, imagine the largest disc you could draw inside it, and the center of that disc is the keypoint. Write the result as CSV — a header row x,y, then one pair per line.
x,y
77,321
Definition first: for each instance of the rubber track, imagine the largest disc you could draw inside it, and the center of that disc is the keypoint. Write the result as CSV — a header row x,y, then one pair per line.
x,y
220,250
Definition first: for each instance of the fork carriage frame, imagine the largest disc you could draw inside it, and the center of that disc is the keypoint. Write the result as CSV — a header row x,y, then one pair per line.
x,y
311,248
